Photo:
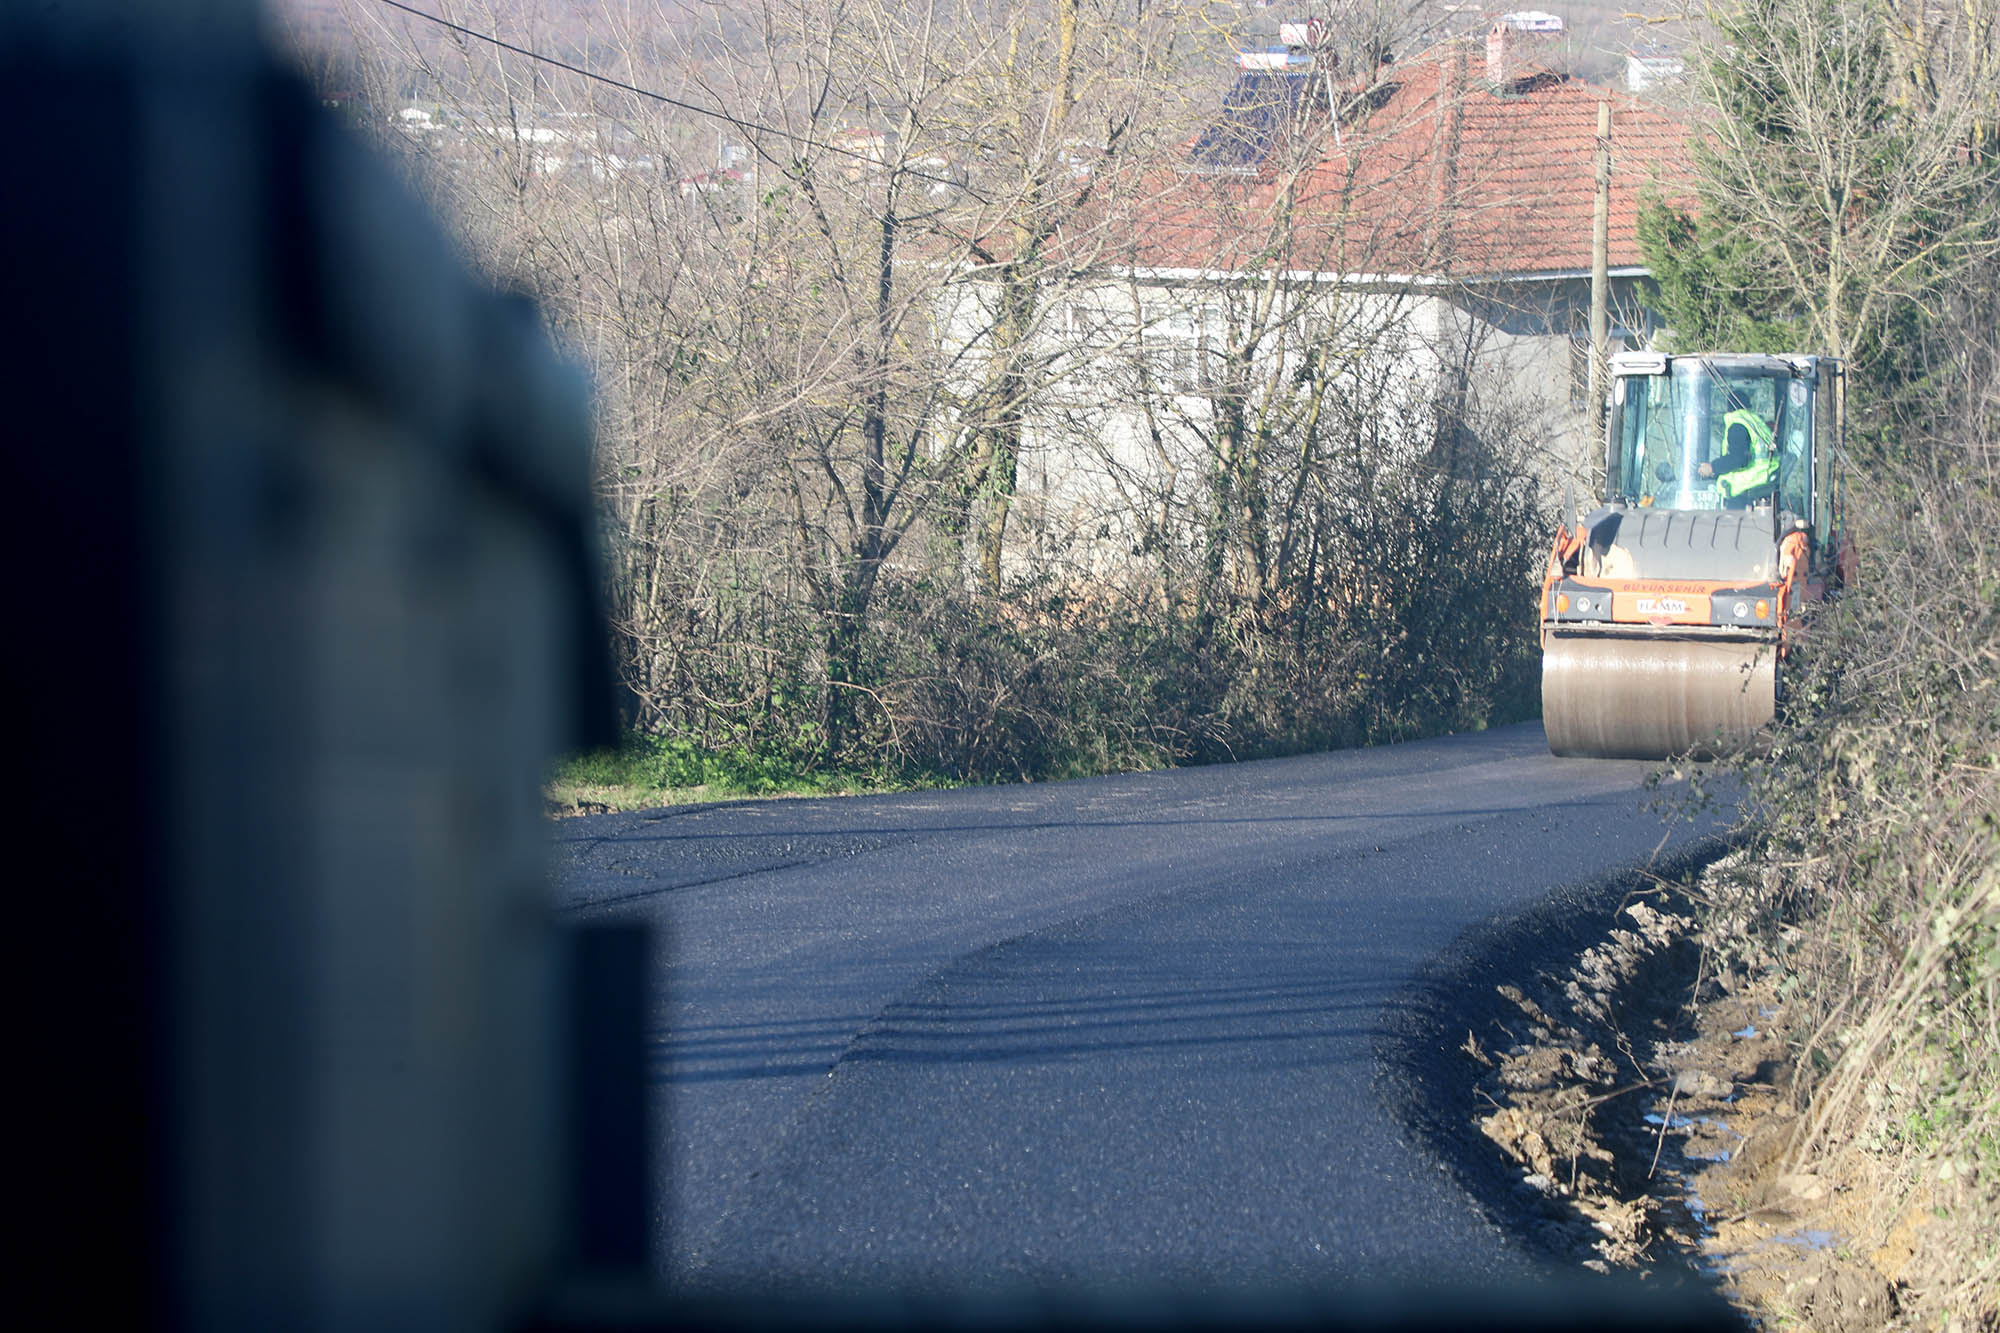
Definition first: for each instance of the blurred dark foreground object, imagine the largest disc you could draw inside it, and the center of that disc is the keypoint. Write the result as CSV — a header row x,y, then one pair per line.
x,y
302,523
1587,1305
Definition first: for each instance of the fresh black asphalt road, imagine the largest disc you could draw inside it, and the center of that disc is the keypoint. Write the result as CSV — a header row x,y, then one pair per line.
x,y
1119,1030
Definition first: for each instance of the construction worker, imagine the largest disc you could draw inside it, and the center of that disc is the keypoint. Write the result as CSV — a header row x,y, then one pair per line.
x,y
1747,469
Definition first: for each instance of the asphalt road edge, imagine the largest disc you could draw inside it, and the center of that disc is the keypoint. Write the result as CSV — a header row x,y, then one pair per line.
x,y
1427,1078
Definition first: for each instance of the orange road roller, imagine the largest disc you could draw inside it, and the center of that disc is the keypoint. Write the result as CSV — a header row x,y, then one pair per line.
x,y
1668,610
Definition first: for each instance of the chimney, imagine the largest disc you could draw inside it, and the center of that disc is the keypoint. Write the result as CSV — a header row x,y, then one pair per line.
x,y
1518,40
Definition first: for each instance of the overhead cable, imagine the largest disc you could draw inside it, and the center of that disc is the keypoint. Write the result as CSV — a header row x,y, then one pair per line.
x,y
716,113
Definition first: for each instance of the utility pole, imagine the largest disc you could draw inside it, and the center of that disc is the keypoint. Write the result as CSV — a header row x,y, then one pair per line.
x,y
1600,276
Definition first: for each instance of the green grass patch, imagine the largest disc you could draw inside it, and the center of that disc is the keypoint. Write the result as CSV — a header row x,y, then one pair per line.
x,y
646,772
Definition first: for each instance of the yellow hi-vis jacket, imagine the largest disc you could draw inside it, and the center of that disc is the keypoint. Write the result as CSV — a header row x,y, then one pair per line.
x,y
1762,469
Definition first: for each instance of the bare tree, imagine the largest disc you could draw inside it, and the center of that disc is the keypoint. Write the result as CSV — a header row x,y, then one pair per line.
x,y
772,317
841,267
1848,172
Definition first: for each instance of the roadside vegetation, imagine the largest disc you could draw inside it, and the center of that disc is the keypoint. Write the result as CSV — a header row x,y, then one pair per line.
x,y
1851,204
898,486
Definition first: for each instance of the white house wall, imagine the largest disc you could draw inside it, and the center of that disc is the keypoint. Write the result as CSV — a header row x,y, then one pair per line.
x,y
1100,474
1097,473
1532,355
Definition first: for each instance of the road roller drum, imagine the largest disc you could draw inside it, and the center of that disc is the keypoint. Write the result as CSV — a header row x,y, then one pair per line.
x,y
1650,698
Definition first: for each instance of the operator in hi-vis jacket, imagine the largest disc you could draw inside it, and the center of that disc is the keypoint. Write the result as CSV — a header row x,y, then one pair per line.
x,y
1747,468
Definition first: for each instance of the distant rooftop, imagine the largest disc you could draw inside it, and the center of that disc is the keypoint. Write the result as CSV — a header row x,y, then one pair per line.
x,y
1452,173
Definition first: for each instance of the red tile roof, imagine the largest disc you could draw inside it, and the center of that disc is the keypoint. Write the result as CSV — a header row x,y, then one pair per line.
x,y
1449,174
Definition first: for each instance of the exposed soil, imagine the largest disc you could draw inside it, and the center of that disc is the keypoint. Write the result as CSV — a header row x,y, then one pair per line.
x,y
576,807
1651,1105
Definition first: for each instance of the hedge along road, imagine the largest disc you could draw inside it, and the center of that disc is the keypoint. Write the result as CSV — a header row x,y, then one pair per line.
x,y
1120,1030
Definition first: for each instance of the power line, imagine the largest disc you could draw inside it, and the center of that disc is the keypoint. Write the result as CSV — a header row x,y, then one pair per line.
x,y
716,113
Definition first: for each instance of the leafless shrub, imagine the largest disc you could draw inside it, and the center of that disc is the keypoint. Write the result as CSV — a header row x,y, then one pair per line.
x,y
1880,893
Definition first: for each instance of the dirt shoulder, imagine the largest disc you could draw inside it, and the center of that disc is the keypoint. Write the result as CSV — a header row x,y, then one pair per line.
x,y
1640,1107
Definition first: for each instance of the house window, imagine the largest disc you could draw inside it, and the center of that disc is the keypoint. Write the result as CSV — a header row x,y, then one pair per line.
x,y
1177,341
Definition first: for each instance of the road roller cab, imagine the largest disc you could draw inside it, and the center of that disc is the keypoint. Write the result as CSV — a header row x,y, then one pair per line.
x,y
1667,610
